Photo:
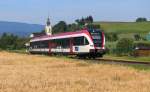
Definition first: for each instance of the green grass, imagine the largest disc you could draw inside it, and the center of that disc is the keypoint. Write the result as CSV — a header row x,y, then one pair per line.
x,y
22,51
125,27
139,67
140,59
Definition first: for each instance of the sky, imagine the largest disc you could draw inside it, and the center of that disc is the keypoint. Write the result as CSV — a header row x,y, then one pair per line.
x,y
37,11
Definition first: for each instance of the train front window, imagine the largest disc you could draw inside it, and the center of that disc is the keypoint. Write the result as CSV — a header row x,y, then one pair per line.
x,y
80,41
97,37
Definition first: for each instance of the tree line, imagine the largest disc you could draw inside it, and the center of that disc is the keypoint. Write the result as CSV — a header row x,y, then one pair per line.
x,y
84,22
12,42
62,26
141,19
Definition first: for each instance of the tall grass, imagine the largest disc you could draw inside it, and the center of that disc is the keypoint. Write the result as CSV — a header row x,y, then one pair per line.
x,y
35,73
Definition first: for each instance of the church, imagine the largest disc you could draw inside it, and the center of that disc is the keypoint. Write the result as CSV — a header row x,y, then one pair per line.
x,y
46,31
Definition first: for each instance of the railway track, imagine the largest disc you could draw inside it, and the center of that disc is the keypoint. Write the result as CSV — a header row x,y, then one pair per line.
x,y
117,61
127,62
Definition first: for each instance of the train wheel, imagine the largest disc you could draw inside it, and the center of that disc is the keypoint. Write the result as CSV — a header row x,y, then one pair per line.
x,y
91,57
100,56
81,56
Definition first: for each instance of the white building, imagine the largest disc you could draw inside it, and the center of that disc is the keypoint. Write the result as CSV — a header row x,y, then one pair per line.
x,y
48,27
47,30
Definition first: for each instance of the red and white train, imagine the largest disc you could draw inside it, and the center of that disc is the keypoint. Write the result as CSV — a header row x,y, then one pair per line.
x,y
83,43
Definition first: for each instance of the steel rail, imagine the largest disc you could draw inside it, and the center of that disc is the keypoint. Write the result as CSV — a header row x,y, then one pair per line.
x,y
117,61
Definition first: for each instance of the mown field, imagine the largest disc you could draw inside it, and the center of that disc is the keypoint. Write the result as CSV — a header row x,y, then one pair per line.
x,y
35,73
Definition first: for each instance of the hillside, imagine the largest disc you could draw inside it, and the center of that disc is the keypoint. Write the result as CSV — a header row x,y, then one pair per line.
x,y
24,29
125,27
20,29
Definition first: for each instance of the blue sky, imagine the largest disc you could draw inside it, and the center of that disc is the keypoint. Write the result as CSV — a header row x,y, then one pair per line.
x,y
36,11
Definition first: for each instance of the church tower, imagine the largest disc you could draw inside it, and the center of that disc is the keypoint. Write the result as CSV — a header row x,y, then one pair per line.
x,y
48,27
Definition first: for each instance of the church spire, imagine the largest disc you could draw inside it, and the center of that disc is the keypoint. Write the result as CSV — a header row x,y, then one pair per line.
x,y
48,27
48,21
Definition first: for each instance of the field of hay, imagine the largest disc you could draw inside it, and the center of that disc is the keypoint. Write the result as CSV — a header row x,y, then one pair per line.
x,y
34,73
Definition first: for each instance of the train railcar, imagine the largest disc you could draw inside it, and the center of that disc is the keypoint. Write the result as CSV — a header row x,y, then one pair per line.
x,y
84,43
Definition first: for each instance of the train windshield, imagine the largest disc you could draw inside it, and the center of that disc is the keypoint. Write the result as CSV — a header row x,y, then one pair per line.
x,y
97,37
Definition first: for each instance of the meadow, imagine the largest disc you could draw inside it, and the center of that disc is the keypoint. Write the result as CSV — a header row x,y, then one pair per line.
x,y
37,73
136,31
125,27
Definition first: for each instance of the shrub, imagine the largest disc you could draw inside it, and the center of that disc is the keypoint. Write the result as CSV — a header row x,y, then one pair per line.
x,y
141,20
137,37
111,37
142,44
12,42
110,47
124,46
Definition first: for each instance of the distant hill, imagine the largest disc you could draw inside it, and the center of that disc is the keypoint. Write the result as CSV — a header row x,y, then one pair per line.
x,y
130,28
125,27
20,29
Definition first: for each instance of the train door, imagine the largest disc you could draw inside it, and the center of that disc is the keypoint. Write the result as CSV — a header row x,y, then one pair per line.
x,y
50,46
71,45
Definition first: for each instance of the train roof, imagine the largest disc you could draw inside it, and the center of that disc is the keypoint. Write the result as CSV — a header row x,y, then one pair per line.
x,y
61,34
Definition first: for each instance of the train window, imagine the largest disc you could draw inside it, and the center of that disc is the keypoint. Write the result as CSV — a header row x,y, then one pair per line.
x,y
97,37
63,43
45,44
86,42
40,44
80,41
33,44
